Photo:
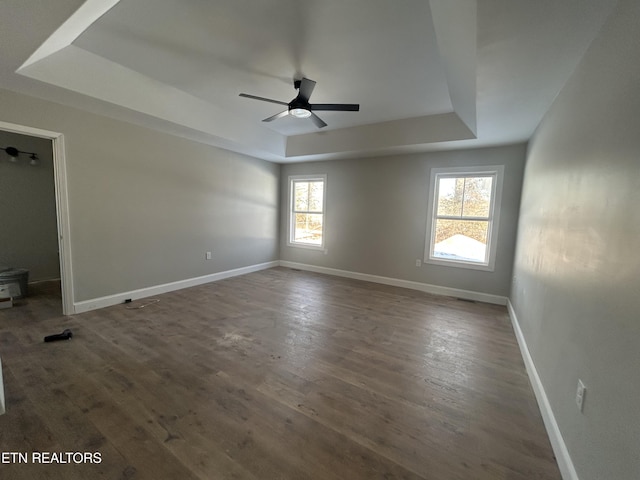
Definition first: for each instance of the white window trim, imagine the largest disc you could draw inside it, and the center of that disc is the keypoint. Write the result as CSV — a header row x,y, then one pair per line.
x,y
290,228
494,215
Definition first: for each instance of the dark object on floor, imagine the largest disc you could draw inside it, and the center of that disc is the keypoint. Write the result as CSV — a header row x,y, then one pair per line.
x,y
66,335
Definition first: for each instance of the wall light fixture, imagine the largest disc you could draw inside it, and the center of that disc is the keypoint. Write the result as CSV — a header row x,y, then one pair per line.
x,y
14,153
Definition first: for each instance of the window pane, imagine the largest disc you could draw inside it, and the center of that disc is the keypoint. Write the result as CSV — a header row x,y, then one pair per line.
x,y
450,192
477,197
461,240
308,228
316,192
300,195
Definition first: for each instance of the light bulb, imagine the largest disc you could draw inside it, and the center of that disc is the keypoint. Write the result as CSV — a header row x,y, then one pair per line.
x,y
300,112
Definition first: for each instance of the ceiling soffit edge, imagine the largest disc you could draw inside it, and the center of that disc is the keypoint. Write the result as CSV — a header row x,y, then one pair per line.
x,y
455,26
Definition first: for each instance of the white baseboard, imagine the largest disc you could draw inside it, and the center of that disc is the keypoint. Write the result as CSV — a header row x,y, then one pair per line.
x,y
567,470
93,304
2,407
396,282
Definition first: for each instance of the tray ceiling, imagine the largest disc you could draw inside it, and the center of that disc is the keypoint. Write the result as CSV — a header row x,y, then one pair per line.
x,y
427,74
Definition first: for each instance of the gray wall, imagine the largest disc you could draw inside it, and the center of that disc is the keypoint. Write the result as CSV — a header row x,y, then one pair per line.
x,y
28,224
377,213
146,206
576,291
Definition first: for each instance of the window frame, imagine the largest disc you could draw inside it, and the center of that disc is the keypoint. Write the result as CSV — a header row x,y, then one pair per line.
x,y
291,212
497,172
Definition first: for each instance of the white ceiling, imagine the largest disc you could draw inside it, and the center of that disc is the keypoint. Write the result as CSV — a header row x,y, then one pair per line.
x,y
428,75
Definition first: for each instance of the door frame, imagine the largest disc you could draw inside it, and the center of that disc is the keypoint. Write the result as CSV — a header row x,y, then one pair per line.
x,y
62,206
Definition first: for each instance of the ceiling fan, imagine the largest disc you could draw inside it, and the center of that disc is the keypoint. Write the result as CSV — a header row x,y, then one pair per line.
x,y
300,107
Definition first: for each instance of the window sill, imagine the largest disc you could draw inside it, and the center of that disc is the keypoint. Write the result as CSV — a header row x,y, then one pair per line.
x,y
306,246
459,264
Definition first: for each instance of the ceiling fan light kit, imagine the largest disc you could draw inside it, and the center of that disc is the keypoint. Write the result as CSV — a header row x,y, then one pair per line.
x,y
300,107
300,112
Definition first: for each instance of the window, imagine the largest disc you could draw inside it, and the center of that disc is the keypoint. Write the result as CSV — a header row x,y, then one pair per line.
x,y
462,227
306,214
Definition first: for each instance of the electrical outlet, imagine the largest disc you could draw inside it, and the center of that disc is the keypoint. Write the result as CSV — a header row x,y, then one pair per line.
x,y
418,262
580,394
208,256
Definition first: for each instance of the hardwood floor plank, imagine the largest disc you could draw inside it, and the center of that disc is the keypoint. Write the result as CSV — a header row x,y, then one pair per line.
x,y
278,374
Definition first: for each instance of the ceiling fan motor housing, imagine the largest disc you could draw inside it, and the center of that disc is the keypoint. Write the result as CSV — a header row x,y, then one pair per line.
x,y
299,103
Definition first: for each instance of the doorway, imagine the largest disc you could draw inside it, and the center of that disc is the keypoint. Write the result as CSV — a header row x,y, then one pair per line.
x,y
43,232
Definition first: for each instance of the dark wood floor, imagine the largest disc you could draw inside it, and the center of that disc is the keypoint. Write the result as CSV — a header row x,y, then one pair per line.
x,y
278,374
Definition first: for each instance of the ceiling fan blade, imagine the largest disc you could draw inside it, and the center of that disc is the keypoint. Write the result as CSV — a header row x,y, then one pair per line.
x,y
337,107
306,89
317,120
246,95
277,116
